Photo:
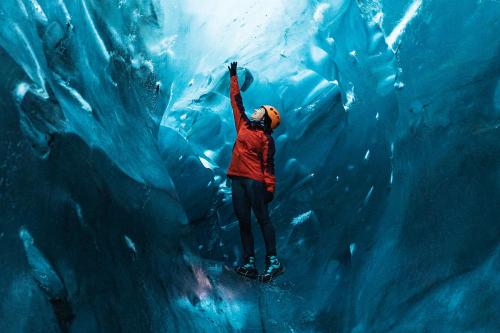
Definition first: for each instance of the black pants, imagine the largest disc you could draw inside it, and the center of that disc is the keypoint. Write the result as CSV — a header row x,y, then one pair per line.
x,y
249,194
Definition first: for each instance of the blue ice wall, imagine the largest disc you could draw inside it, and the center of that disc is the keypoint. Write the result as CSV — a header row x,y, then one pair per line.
x,y
116,130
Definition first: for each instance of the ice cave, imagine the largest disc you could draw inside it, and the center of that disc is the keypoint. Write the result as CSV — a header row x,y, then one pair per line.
x,y
116,210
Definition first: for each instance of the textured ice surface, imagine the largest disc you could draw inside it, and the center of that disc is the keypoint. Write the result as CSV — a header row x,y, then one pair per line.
x,y
116,130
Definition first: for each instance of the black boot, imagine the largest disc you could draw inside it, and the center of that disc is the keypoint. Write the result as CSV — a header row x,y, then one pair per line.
x,y
248,269
273,269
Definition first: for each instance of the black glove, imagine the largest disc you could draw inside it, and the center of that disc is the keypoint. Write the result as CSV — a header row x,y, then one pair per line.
x,y
269,197
232,68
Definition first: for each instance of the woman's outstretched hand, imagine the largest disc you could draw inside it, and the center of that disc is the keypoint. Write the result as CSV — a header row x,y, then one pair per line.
x,y
232,68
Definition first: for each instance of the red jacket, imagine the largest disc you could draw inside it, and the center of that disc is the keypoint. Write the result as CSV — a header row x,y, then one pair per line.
x,y
253,151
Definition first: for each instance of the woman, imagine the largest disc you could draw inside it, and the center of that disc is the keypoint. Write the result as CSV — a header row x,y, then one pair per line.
x,y
252,177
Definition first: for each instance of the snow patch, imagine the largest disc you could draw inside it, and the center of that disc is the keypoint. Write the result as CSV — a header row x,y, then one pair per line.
x,y
302,218
130,243
21,90
410,14
206,163
319,13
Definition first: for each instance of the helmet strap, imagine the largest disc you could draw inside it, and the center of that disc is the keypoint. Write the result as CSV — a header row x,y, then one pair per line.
x,y
267,122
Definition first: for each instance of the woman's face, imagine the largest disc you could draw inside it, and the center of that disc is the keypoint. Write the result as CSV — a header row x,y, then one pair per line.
x,y
258,114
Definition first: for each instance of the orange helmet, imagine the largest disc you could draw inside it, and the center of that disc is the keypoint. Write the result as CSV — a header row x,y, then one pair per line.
x,y
273,114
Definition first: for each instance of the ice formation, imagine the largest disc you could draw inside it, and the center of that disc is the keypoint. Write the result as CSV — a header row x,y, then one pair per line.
x,y
116,130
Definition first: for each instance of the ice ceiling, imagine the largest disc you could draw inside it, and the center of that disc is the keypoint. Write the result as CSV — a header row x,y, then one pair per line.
x,y
115,211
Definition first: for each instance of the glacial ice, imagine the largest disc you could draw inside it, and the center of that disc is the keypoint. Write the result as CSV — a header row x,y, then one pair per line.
x,y
116,127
